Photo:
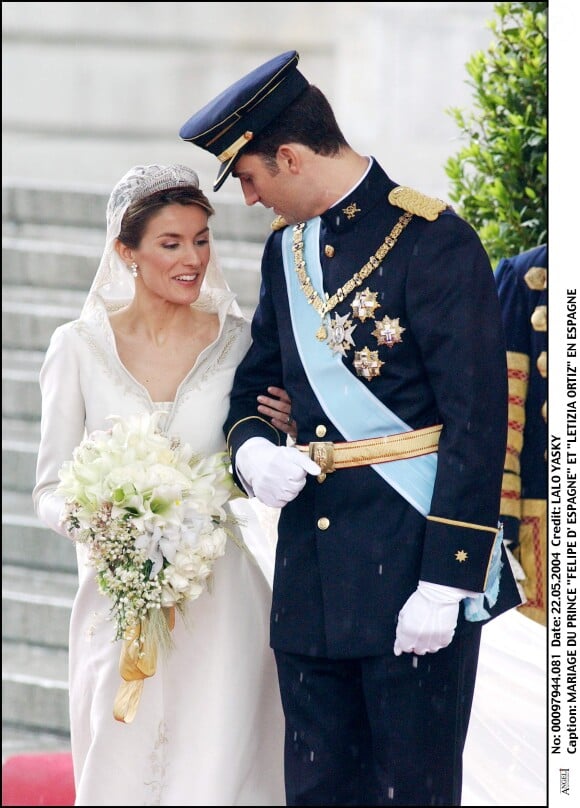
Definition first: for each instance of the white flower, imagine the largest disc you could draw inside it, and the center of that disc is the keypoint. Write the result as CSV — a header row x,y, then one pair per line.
x,y
213,543
150,512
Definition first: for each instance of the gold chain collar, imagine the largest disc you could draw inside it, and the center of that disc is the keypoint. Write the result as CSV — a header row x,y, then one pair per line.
x,y
322,307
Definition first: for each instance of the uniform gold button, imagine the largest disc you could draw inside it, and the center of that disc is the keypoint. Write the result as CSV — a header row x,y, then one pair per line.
x,y
539,318
320,431
329,251
542,364
323,523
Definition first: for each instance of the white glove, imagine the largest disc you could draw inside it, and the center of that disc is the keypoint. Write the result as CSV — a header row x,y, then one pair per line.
x,y
428,619
273,474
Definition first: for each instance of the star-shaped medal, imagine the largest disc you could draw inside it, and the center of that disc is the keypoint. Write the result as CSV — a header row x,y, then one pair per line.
x,y
340,336
461,556
388,332
364,304
367,363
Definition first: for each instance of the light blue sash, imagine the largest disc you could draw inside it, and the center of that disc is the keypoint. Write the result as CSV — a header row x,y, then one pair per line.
x,y
348,403
354,410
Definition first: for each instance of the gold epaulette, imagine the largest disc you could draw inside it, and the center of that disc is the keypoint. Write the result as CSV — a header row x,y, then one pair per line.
x,y
279,223
428,207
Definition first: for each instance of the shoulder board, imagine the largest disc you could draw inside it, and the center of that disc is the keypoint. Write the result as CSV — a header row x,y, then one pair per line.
x,y
429,207
279,223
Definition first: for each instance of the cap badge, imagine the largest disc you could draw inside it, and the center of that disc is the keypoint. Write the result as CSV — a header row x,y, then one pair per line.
x,y
234,147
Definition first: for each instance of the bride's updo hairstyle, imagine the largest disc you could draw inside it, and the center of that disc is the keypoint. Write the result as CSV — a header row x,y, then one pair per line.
x,y
139,212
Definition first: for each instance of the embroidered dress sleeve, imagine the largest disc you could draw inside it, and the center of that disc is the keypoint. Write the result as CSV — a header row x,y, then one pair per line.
x,y
62,424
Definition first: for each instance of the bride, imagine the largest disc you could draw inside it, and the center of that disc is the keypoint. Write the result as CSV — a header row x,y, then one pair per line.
x,y
160,330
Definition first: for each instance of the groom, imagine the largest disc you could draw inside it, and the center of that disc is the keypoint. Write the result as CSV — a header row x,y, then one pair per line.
x,y
390,558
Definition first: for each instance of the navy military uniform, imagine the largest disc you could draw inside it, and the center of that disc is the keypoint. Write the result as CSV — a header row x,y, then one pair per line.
x,y
326,574
523,293
423,334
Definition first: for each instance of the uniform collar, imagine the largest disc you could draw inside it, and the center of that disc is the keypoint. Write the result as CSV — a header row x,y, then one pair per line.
x,y
373,187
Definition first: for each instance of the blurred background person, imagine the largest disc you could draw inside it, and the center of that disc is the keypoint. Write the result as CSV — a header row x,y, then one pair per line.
x,y
522,284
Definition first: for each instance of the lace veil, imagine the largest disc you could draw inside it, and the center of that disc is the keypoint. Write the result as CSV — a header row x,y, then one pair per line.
x,y
113,282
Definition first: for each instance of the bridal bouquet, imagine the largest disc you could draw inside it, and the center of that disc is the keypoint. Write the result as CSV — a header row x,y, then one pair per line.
x,y
151,514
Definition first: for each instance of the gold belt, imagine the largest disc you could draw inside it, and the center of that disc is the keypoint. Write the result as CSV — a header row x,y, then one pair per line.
x,y
331,456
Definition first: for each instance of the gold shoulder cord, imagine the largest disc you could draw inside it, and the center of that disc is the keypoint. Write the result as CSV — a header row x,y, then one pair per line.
x,y
322,307
428,207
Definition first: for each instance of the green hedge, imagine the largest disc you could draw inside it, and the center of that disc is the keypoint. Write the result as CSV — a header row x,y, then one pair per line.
x,y
499,179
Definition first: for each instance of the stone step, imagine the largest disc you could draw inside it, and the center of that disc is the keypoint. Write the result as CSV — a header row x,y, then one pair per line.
x,y
20,387
26,542
35,687
74,205
29,204
42,263
36,604
30,315
19,450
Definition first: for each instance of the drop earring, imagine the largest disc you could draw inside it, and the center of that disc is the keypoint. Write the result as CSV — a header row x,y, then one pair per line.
x,y
133,267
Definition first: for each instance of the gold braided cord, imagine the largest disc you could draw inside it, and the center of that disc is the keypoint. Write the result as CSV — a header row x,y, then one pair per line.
x,y
322,307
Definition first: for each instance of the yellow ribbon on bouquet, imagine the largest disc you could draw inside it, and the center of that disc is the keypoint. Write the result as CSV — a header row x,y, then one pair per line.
x,y
138,662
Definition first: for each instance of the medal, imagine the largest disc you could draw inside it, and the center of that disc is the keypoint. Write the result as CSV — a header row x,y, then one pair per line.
x,y
367,364
364,304
340,339
388,332
368,298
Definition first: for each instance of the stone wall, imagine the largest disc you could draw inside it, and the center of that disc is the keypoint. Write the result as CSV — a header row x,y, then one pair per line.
x,y
92,88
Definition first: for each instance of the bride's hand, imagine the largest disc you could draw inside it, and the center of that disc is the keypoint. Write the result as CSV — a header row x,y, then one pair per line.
x,y
277,407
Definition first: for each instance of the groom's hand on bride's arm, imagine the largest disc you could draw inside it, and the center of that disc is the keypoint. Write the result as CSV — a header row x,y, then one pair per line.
x,y
278,408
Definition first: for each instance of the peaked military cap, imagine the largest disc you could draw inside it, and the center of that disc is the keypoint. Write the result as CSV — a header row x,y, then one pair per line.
x,y
226,124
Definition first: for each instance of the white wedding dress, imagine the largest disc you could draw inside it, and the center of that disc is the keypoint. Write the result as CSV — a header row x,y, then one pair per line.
x,y
505,761
209,727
